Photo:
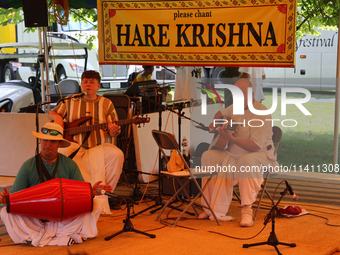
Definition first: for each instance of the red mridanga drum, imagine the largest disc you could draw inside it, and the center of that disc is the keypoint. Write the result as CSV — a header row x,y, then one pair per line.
x,y
54,200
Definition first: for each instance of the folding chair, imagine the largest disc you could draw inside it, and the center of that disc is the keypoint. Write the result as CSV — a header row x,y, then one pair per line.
x,y
124,108
66,87
277,134
166,141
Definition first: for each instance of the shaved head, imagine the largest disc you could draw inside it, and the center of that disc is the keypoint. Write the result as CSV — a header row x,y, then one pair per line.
x,y
243,84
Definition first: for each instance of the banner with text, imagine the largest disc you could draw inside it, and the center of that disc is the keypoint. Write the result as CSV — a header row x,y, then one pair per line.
x,y
197,33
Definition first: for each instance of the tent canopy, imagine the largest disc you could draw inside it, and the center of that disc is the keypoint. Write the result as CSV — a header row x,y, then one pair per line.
x,y
76,4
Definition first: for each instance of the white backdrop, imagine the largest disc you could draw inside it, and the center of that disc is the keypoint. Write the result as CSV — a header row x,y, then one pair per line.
x,y
17,144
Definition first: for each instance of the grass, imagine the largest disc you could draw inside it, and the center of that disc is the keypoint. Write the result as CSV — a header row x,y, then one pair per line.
x,y
310,143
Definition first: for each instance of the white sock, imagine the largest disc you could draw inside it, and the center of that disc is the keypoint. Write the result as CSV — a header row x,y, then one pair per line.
x,y
222,218
203,215
247,216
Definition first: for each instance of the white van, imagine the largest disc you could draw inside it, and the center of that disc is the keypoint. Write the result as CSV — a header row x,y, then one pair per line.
x,y
315,67
63,68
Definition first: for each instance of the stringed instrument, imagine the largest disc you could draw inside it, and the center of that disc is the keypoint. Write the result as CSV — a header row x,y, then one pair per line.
x,y
220,142
74,128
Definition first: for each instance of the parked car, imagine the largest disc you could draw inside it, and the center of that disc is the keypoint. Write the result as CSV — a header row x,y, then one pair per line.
x,y
17,94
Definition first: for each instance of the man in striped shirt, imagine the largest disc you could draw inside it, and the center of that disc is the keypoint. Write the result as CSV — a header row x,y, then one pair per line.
x,y
98,159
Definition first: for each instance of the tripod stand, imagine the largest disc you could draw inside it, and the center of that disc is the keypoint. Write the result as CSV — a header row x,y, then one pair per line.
x,y
128,227
272,239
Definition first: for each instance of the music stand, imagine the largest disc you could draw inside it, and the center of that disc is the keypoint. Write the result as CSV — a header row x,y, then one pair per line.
x,y
133,90
272,239
128,226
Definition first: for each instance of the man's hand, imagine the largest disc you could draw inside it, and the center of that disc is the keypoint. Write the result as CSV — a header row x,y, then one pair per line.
x,y
243,143
3,196
107,188
225,133
212,129
113,129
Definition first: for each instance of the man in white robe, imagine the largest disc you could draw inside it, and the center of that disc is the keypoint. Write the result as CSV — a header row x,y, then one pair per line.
x,y
250,147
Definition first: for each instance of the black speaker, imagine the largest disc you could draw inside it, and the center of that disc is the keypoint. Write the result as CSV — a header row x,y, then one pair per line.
x,y
35,13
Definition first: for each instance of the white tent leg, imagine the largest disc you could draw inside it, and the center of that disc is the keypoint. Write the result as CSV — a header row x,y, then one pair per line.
x,y
336,115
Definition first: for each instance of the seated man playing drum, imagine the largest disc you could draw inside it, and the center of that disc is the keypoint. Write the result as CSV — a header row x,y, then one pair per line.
x,y
23,229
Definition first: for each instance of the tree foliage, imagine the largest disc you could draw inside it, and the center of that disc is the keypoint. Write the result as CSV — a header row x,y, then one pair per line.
x,y
311,14
15,16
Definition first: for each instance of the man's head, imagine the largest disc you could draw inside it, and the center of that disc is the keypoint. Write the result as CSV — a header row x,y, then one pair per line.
x,y
90,82
243,85
91,74
51,137
148,69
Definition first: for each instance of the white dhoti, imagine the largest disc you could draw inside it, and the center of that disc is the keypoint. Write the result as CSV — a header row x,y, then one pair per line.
x,y
102,163
22,229
219,191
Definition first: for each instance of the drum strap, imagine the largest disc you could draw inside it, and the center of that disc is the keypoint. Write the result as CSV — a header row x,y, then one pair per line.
x,y
75,152
42,169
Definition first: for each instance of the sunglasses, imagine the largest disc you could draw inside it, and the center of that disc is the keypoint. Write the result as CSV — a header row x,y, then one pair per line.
x,y
50,131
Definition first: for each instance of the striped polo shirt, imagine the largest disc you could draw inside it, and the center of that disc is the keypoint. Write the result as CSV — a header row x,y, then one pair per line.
x,y
101,111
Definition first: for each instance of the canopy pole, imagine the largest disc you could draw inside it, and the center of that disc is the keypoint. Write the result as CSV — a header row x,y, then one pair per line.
x,y
336,115
43,94
47,68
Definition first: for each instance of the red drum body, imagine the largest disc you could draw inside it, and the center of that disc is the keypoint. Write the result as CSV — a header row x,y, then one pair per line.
x,y
54,200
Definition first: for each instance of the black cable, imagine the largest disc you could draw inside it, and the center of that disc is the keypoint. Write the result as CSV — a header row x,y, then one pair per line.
x,y
213,232
239,238
155,229
323,218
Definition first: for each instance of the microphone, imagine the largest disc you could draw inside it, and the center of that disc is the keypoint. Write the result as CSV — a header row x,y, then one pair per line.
x,y
193,101
294,197
103,192
201,126
80,95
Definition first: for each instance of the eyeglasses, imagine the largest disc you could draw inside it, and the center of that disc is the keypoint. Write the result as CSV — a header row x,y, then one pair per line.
x,y
50,131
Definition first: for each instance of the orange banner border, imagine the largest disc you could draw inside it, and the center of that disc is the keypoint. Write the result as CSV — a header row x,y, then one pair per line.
x,y
283,57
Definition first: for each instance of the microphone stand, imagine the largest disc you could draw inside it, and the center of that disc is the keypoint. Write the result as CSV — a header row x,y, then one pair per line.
x,y
272,239
128,226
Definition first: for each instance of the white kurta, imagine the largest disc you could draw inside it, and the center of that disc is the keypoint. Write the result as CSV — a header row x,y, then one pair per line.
x,y
22,229
256,74
101,163
219,191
